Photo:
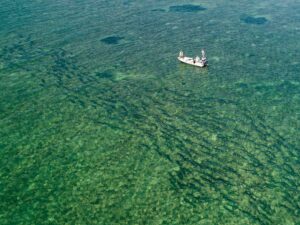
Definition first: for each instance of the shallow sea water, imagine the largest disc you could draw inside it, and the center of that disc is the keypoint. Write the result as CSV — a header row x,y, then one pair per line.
x,y
100,124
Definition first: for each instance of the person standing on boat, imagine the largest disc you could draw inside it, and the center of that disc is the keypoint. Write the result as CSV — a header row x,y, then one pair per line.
x,y
203,55
181,55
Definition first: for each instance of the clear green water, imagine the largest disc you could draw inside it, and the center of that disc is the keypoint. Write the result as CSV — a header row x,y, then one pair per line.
x,y
101,125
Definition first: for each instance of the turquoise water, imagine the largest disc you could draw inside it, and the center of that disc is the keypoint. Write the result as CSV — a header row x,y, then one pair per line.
x,y
100,124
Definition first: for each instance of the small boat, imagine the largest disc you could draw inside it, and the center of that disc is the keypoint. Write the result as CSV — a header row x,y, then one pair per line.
x,y
193,61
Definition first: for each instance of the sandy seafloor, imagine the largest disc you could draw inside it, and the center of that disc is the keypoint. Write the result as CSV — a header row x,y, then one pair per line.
x,y
100,124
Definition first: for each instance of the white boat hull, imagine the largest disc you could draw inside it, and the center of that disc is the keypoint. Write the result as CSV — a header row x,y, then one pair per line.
x,y
190,61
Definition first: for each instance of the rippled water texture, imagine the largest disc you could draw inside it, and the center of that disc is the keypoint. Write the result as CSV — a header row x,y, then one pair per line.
x,y
100,124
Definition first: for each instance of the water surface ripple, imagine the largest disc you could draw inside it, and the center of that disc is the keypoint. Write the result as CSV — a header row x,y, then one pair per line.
x,y
101,125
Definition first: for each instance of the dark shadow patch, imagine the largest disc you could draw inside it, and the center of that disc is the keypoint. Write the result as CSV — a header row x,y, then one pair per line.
x,y
253,20
186,8
158,10
127,2
105,74
242,85
112,40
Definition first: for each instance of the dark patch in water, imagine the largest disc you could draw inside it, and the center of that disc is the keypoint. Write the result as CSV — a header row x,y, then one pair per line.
x,y
158,10
127,2
242,85
105,74
112,40
186,8
253,20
